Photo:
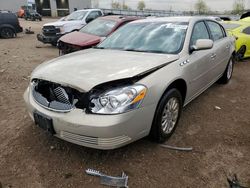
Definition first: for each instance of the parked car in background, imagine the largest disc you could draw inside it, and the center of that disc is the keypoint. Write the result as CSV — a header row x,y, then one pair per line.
x,y
73,22
32,15
245,15
9,25
241,31
134,84
20,13
91,34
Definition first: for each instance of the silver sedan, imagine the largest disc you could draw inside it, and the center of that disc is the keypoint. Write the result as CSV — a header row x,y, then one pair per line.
x,y
134,84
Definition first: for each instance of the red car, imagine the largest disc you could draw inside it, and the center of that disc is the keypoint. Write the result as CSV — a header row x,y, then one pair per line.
x,y
91,34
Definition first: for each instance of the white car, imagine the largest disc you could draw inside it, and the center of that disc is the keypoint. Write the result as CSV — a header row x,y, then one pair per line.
x,y
135,83
73,22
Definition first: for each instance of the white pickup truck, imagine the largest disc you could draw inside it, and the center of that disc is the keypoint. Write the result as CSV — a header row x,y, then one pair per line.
x,y
51,32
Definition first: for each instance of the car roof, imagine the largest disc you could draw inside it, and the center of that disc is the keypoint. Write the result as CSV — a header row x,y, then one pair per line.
x,y
120,18
90,9
175,19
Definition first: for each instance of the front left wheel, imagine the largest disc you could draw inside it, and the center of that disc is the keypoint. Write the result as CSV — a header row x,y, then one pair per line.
x,y
167,115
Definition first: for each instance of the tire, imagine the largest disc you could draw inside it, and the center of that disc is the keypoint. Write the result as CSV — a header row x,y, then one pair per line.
x,y
166,116
227,75
7,33
240,53
54,44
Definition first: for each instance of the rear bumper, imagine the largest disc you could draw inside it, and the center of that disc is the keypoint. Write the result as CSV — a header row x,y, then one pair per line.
x,y
48,39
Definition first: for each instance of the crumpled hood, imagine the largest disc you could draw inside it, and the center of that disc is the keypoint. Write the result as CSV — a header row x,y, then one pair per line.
x,y
80,39
85,69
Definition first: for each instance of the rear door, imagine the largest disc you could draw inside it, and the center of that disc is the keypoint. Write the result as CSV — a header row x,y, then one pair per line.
x,y
221,50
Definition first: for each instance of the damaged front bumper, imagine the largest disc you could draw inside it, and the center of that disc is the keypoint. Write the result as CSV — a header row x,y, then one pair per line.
x,y
92,130
48,39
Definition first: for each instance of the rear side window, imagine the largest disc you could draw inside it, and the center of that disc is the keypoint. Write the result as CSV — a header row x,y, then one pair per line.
x,y
199,32
246,31
216,30
99,13
94,14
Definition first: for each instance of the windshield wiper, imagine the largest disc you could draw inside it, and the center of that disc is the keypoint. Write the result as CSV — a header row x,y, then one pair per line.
x,y
133,50
149,51
98,47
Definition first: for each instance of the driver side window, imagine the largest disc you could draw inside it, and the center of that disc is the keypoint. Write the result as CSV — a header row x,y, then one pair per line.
x,y
199,32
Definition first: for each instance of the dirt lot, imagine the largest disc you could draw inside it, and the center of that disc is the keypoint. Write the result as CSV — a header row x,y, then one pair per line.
x,y
31,158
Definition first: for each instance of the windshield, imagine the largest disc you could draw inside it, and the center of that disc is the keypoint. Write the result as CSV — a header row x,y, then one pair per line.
x,y
230,26
76,16
99,27
148,37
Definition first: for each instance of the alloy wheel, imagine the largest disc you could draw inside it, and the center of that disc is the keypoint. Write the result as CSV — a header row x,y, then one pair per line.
x,y
170,115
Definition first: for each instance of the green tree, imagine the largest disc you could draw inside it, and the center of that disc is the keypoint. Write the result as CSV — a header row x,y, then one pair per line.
x,y
116,5
141,5
238,7
125,7
201,7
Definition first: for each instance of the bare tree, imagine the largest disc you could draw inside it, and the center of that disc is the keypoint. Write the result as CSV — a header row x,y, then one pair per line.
x,y
201,7
141,5
238,7
116,5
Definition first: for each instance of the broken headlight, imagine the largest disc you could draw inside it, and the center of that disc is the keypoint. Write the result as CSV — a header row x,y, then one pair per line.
x,y
118,100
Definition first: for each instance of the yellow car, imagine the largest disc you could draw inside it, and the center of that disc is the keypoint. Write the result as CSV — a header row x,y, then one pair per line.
x,y
241,31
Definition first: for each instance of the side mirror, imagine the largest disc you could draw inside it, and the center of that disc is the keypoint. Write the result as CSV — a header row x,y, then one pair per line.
x,y
202,44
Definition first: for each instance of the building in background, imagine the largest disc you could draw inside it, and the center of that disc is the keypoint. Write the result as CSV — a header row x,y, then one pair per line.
x,y
47,7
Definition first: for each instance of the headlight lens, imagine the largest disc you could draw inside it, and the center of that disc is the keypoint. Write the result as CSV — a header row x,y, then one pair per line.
x,y
118,100
61,28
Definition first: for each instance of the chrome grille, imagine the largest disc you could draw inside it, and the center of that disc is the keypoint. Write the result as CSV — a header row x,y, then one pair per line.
x,y
53,96
61,95
87,140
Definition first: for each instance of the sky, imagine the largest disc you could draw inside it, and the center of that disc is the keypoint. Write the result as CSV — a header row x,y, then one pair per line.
x,y
178,5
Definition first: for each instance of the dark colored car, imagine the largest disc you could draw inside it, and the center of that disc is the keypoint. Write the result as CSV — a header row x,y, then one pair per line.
x,y
32,15
9,25
92,34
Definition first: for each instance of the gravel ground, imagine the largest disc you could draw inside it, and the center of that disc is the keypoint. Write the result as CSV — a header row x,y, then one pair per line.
x,y
31,158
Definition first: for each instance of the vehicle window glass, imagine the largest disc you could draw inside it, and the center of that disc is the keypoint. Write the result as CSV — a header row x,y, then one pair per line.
x,y
99,13
159,37
79,15
99,27
246,31
199,32
93,15
216,30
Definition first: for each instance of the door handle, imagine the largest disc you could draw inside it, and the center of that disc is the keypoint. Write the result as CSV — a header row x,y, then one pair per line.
x,y
213,56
